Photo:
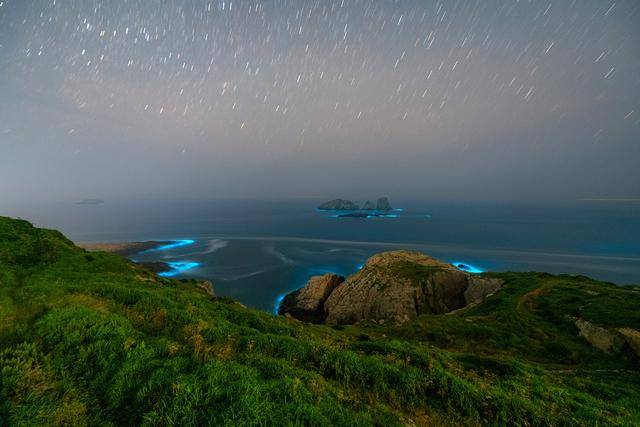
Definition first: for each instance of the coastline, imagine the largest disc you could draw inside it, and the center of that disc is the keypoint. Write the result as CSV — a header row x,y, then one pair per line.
x,y
129,249
125,249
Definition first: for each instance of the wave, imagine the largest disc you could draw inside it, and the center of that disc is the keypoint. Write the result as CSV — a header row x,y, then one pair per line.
x,y
243,276
215,245
212,246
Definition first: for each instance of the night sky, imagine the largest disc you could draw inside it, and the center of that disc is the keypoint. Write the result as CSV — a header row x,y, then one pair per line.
x,y
444,100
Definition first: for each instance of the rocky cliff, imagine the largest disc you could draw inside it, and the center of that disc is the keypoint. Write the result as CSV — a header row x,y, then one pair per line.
x,y
308,303
391,287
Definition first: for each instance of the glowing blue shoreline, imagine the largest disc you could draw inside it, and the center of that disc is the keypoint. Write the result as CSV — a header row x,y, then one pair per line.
x,y
466,267
175,244
278,301
359,213
178,267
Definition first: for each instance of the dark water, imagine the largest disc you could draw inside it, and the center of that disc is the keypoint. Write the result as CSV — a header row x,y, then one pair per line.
x,y
256,251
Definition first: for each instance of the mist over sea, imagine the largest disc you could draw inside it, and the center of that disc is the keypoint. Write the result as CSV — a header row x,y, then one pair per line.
x,y
255,251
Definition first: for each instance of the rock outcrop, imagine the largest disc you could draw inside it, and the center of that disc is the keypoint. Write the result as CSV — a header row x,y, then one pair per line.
x,y
207,286
307,303
632,338
479,289
396,287
338,205
611,340
383,204
597,336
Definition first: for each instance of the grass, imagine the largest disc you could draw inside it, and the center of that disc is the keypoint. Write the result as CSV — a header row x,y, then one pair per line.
x,y
91,339
411,270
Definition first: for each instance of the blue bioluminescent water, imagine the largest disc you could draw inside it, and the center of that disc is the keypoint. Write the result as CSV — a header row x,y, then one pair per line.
x,y
467,267
279,299
178,267
175,244
361,214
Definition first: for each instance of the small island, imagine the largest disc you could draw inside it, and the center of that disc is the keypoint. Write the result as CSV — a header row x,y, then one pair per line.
x,y
382,204
338,205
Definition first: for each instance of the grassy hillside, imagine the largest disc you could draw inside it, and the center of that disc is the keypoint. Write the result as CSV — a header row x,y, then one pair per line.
x,y
89,338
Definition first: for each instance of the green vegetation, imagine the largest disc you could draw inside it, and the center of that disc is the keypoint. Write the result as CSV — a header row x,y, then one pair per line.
x,y
411,270
416,273
91,339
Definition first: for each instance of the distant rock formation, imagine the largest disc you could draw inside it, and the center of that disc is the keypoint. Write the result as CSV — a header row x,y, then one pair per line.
x,y
338,205
347,205
392,287
308,303
368,206
383,204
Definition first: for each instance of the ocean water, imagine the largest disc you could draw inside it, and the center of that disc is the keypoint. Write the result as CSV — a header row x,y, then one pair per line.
x,y
256,251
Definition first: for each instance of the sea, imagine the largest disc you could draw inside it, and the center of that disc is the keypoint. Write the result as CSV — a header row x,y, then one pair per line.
x,y
257,251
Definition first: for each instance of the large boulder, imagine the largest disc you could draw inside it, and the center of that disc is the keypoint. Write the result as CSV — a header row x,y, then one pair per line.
x,y
338,205
396,287
307,303
399,286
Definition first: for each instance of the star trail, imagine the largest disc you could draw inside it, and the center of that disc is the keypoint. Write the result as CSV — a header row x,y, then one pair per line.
x,y
294,98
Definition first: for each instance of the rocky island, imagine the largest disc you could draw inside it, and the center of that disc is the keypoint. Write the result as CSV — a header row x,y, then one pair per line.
x,y
348,209
338,205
